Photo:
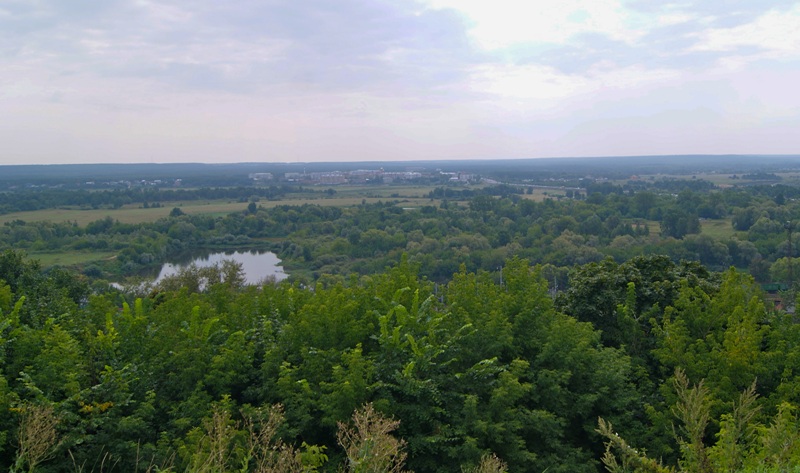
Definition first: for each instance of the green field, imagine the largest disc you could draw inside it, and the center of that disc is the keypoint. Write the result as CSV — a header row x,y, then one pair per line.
x,y
70,258
719,179
653,226
125,214
407,197
540,195
720,229
384,192
136,214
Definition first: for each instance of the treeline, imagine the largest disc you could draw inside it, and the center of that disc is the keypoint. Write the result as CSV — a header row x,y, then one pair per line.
x,y
27,200
482,364
464,193
480,232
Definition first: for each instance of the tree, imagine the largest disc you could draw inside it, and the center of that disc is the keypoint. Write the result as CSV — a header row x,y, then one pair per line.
x,y
598,290
744,218
779,270
642,203
677,223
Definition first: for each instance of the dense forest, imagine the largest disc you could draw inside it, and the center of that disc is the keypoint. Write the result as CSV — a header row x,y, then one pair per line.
x,y
477,227
691,364
616,326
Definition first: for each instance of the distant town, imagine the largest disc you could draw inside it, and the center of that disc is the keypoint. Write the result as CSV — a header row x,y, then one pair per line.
x,y
362,176
316,178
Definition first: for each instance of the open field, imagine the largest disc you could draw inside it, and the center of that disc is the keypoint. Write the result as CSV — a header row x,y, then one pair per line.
x,y
720,229
653,226
725,180
409,196
719,179
540,195
136,214
70,258
384,191
125,214
340,201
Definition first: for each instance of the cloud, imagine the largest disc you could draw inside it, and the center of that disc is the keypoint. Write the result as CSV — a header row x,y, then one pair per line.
x,y
775,34
577,35
400,79
504,23
243,45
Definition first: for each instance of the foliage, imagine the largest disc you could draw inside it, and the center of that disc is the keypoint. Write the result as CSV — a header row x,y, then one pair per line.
x,y
479,227
182,376
630,459
743,444
369,445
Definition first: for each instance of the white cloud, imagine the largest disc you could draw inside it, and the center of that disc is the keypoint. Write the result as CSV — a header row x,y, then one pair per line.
x,y
546,86
776,33
19,89
163,13
504,23
286,80
671,18
532,82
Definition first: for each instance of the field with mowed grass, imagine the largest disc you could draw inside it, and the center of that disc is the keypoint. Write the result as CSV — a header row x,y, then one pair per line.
x,y
126,214
539,195
135,213
716,228
722,180
721,229
70,258
385,191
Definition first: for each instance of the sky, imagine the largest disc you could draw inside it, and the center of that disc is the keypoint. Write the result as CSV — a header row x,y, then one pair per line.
x,y
99,81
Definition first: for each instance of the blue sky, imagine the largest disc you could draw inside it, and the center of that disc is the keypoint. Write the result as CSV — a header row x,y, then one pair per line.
x,y
343,80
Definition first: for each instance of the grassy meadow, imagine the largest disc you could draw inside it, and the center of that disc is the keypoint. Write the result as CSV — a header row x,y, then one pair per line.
x,y
721,229
716,228
71,258
135,213
407,197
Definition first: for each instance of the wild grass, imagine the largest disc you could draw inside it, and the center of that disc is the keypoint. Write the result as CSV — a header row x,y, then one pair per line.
x,y
720,229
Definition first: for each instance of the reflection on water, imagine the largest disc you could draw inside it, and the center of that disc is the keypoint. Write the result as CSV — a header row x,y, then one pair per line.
x,y
256,265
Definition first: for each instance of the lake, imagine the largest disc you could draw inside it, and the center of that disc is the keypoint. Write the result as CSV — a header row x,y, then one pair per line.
x,y
256,265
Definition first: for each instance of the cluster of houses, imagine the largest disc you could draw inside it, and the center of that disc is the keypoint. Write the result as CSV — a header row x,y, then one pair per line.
x,y
359,176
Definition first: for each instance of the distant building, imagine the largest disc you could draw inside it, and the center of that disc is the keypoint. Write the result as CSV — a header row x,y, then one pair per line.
x,y
294,176
362,176
401,176
260,176
466,177
328,178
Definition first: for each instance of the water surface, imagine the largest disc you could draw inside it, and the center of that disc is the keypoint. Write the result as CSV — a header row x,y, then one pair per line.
x,y
256,265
